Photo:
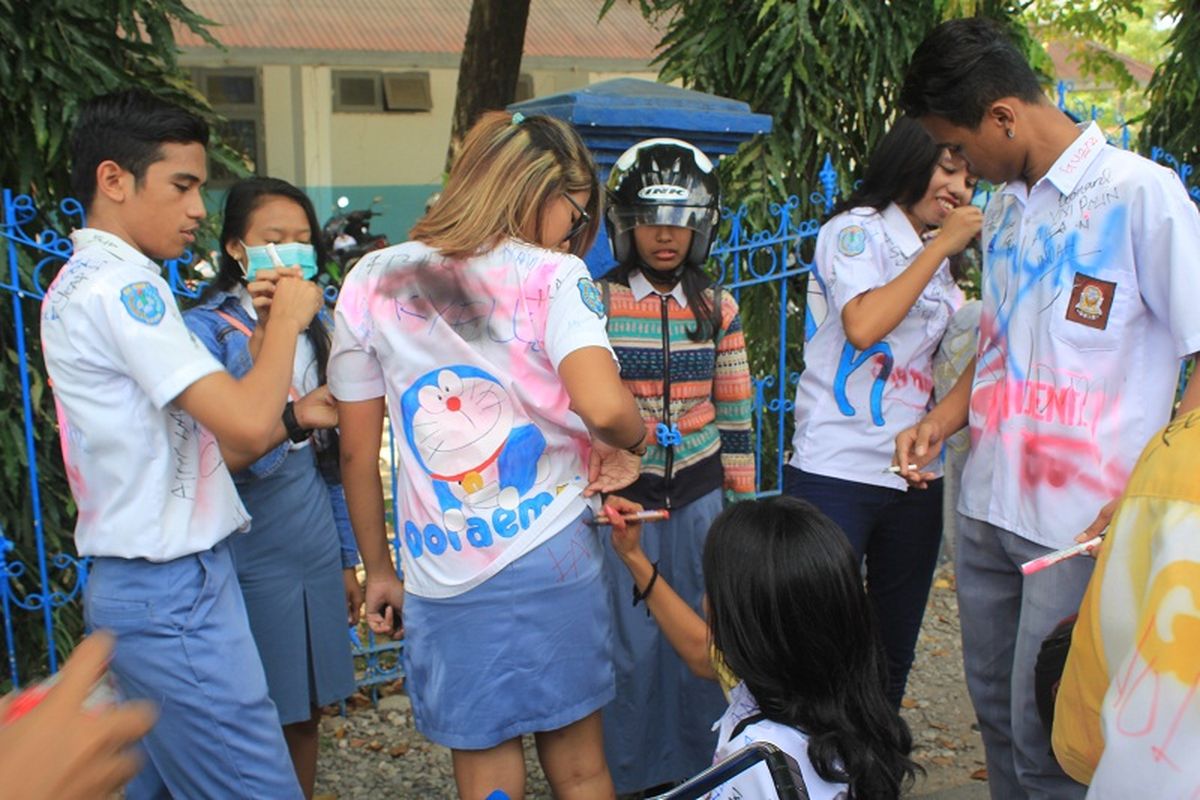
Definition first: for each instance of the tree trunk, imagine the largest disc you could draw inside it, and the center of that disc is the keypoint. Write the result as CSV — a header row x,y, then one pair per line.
x,y
491,63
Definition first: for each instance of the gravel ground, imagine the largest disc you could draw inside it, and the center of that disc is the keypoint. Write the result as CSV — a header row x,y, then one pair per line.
x,y
376,752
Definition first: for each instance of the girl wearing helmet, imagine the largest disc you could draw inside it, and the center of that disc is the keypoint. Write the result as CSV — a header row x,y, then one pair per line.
x,y
890,296
679,342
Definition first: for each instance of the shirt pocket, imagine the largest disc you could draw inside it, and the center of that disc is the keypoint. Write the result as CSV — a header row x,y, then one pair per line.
x,y
1091,312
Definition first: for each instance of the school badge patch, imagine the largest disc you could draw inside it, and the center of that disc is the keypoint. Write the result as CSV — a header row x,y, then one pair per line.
x,y
590,294
852,241
1091,301
143,302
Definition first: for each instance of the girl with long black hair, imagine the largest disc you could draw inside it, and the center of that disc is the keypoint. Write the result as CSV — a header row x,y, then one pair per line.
x,y
788,616
883,264
296,566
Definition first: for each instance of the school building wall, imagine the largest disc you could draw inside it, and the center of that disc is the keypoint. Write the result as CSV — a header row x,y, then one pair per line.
x,y
396,156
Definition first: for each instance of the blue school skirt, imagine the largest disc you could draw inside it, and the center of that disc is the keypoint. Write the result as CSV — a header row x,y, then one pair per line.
x,y
289,567
528,650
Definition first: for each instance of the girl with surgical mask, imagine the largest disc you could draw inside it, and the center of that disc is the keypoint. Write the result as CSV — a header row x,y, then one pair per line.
x,y
296,564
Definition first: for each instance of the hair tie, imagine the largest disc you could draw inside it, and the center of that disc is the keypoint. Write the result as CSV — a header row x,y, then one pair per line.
x,y
517,118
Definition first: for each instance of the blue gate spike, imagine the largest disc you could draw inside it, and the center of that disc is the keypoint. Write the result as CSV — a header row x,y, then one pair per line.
x,y
668,437
828,176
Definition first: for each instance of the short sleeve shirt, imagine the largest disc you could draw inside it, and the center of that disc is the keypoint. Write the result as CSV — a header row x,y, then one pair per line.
x,y
149,481
1091,287
742,725
492,461
851,403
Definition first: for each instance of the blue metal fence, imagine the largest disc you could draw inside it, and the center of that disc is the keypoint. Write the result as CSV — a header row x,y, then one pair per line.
x,y
747,261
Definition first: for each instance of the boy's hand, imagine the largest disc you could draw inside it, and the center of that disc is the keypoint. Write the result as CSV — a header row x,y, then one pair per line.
x,y
293,299
317,409
626,535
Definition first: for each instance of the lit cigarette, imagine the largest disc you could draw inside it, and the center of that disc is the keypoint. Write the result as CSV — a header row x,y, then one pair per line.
x,y
895,468
640,516
274,254
1050,559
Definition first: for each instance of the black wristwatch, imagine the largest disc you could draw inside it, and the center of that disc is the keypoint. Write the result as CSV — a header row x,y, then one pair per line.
x,y
294,431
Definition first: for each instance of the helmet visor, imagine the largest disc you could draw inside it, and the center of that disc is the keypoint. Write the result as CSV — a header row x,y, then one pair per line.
x,y
697,218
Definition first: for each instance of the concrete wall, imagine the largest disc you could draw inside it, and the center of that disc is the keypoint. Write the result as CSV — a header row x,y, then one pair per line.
x,y
396,156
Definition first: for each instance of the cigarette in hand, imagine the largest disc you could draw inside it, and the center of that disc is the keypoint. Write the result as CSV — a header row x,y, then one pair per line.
x,y
274,254
640,516
895,468
1050,559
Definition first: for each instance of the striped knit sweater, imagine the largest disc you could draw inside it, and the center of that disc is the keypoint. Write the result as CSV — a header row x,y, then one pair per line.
x,y
710,398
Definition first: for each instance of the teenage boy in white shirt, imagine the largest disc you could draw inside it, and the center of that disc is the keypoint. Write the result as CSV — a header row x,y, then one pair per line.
x,y
149,421
1090,289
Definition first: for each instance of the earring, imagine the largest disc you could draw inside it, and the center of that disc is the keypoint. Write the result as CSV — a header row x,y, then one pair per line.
x,y
1009,133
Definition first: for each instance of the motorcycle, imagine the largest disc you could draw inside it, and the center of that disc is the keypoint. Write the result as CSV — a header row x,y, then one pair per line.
x,y
348,236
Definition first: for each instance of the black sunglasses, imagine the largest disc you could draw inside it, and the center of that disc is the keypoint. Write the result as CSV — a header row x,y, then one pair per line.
x,y
580,222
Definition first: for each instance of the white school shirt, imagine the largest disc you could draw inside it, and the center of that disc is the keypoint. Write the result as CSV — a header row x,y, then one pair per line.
x,y
492,461
755,783
1091,292
149,481
850,404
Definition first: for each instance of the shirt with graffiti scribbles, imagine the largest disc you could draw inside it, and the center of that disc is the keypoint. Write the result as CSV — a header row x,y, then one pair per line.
x,y
851,403
1090,291
491,461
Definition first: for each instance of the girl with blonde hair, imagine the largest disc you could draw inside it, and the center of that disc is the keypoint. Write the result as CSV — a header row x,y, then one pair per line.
x,y
487,337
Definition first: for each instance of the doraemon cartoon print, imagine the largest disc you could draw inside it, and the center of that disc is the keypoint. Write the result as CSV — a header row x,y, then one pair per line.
x,y
459,423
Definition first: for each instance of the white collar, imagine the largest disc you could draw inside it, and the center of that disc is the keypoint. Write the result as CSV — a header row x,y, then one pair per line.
x,y
84,238
641,287
900,230
1070,167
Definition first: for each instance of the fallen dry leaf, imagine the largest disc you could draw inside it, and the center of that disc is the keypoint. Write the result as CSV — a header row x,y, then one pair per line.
x,y
979,774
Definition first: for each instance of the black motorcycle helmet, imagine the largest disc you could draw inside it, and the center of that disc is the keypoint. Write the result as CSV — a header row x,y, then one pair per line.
x,y
663,182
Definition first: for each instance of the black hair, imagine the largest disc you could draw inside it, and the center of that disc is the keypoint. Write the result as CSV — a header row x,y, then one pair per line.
x,y
789,614
240,203
898,169
961,68
695,282
129,128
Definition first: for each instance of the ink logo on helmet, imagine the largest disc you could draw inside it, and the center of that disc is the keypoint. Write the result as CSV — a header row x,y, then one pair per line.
x,y
662,191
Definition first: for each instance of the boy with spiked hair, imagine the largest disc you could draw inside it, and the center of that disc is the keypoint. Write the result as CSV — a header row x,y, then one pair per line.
x,y
150,426
1089,295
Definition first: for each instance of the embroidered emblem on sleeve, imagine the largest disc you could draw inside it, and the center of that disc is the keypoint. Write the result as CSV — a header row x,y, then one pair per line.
x,y
1091,301
590,294
852,240
143,302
